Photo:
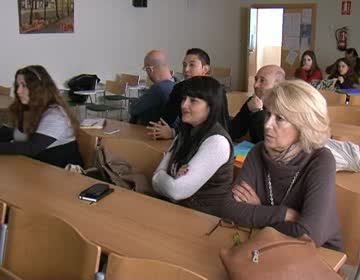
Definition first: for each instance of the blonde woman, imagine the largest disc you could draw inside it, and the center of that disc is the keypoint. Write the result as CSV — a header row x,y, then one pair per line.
x,y
288,180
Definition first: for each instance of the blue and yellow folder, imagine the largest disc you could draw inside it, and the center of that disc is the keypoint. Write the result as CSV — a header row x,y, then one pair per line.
x,y
240,152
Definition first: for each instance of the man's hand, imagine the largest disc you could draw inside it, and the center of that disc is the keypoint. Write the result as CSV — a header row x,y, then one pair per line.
x,y
244,193
160,130
255,104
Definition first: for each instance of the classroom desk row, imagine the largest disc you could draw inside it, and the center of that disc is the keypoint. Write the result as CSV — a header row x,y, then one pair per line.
x,y
125,222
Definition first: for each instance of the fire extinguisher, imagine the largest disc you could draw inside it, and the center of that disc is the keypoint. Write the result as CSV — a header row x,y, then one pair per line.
x,y
341,38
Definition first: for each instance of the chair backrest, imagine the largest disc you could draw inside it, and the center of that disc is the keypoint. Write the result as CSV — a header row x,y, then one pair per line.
x,y
122,82
115,87
223,74
348,208
5,90
3,209
46,247
7,275
345,114
130,79
137,153
87,145
125,268
354,100
333,98
235,101
3,230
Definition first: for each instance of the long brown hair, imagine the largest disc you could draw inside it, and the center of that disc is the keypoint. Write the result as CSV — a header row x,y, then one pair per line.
x,y
42,93
314,64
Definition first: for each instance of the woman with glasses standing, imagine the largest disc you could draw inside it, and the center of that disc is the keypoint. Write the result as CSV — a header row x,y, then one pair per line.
x,y
43,126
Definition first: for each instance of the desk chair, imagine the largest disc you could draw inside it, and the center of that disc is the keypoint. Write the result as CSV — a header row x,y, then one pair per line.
x,y
5,90
235,101
87,146
348,208
115,88
7,274
223,75
125,268
138,154
3,230
333,98
46,247
344,114
120,89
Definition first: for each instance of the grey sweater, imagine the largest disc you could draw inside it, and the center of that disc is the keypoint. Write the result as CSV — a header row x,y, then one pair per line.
x,y
312,195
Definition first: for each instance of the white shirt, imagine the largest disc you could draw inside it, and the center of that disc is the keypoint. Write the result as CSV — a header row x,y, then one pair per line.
x,y
212,154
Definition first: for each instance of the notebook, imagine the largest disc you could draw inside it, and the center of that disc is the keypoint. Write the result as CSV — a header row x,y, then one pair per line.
x,y
93,123
240,152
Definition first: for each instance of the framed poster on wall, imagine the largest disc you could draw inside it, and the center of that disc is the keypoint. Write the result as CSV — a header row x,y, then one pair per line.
x,y
46,16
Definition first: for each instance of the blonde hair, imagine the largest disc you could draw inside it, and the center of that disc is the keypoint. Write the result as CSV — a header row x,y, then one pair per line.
x,y
305,108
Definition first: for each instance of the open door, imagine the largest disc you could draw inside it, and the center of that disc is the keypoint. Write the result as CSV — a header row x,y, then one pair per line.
x,y
265,38
252,40
278,34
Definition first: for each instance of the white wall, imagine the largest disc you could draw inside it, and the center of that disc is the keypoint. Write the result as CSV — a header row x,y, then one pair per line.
x,y
111,36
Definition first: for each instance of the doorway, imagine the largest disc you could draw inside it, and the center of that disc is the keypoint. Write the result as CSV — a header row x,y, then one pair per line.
x,y
266,27
277,34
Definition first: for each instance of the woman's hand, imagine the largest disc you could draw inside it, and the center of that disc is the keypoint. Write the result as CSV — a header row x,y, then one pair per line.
x,y
244,193
160,130
182,170
291,215
340,79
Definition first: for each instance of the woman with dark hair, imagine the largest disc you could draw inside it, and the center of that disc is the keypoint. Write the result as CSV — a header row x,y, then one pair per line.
x,y
198,169
309,69
344,76
44,128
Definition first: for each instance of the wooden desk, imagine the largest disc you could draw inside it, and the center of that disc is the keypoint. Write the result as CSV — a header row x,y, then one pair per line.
x,y
236,100
129,131
88,138
125,222
343,132
348,206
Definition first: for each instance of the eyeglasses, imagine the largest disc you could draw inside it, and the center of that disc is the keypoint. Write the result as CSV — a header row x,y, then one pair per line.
x,y
224,223
150,68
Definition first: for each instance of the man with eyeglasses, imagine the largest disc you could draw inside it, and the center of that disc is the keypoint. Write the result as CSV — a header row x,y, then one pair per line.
x,y
151,104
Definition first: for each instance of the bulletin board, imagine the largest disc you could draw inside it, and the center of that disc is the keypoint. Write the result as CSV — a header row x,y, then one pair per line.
x,y
299,24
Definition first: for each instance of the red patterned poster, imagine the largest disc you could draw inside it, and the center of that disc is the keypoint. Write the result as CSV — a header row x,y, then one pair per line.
x,y
346,7
46,16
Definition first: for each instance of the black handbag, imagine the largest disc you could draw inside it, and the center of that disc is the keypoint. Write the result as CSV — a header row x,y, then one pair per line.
x,y
81,82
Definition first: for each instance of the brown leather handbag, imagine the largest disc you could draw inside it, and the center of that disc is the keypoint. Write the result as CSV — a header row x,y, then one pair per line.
x,y
270,254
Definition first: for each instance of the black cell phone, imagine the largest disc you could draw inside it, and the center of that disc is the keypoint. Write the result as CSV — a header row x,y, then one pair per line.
x,y
95,192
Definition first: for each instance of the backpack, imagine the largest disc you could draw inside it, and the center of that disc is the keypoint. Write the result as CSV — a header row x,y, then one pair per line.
x,y
81,82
